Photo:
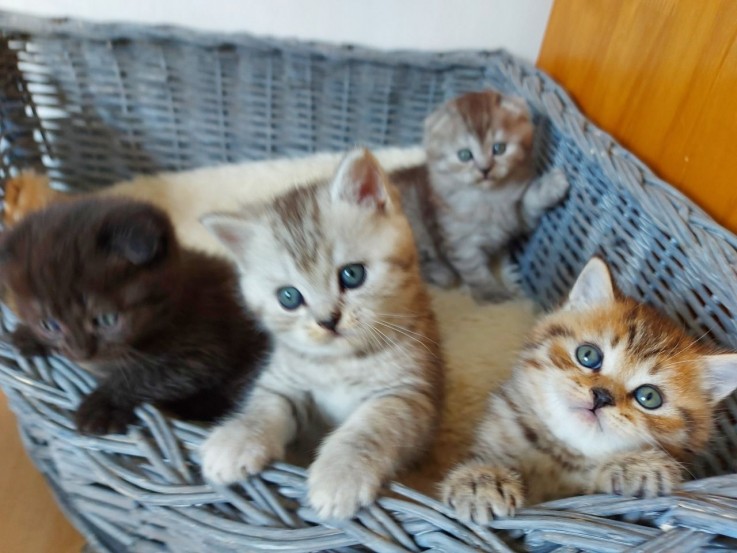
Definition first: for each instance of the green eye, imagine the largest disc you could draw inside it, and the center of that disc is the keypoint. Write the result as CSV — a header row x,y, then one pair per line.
x,y
498,148
648,396
352,276
289,297
50,326
589,356
106,320
465,154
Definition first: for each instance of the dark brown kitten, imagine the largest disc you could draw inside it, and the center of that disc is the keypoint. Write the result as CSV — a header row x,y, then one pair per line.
x,y
105,283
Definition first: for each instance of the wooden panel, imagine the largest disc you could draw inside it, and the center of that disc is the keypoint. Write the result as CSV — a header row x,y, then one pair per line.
x,y
31,522
661,76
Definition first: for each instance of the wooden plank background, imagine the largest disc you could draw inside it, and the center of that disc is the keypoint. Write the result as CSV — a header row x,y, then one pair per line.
x,y
661,76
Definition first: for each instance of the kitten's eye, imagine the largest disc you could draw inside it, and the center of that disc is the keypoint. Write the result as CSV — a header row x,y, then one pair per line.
x,y
498,148
589,356
289,297
106,320
352,276
648,396
50,326
465,154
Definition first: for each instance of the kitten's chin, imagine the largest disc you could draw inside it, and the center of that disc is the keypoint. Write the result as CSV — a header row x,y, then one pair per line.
x,y
581,429
336,345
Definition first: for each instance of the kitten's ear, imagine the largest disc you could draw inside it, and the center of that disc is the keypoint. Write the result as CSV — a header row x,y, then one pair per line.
x,y
140,234
721,375
593,286
232,231
360,180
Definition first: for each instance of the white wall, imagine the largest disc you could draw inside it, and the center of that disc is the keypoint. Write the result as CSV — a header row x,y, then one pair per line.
x,y
517,25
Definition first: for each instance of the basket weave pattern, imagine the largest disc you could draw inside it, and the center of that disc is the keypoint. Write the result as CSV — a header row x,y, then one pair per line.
x,y
92,104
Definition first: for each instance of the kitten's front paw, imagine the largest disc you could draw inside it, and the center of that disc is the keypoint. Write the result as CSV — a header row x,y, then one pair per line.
x,y
26,343
642,474
553,188
98,415
492,293
234,451
341,482
479,493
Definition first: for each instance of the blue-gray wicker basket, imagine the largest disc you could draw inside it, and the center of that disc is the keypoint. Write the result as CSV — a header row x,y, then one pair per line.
x,y
92,104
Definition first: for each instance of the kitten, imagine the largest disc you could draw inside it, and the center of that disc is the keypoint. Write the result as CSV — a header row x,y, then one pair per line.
x,y
476,192
608,396
105,283
331,270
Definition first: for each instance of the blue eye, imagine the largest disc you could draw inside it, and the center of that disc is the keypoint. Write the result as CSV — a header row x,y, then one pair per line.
x,y
50,326
352,276
498,148
465,154
289,297
589,356
648,396
106,320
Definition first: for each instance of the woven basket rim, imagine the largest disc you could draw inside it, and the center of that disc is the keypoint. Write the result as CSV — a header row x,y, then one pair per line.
x,y
12,21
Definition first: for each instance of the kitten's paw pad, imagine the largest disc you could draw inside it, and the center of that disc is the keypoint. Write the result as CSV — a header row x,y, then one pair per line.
x,y
480,493
98,415
491,294
438,274
339,484
647,474
233,452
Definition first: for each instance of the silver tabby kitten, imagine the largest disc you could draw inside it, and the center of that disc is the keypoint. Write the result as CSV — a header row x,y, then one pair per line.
x,y
477,192
331,270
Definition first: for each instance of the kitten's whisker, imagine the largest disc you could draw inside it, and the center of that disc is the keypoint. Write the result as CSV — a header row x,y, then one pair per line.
x,y
673,353
409,334
401,328
373,336
397,315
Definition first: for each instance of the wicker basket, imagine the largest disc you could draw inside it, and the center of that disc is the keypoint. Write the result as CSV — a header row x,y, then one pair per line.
x,y
92,104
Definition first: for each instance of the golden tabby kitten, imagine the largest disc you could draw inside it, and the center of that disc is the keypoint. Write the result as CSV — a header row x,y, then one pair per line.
x,y
608,396
331,271
476,192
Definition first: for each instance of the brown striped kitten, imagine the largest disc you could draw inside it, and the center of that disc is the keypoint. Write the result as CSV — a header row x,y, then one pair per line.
x,y
608,396
331,270
477,191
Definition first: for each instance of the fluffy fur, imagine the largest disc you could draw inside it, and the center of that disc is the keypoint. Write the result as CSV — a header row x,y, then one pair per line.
x,y
477,192
563,425
480,341
359,355
104,282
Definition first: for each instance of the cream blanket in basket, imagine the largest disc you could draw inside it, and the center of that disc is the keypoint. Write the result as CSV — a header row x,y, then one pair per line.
x,y
480,342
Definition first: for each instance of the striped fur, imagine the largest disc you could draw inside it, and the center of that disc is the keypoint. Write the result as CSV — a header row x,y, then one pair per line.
x,y
377,381
465,213
542,437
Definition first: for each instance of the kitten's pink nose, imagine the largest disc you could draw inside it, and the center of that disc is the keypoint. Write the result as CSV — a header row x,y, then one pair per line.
x,y
485,171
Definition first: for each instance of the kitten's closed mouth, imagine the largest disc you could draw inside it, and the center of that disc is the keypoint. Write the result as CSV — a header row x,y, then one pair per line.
x,y
588,415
